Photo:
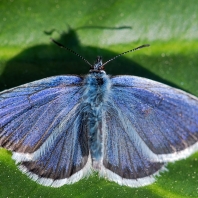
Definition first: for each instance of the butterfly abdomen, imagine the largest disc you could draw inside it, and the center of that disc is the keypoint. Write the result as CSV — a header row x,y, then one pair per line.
x,y
95,96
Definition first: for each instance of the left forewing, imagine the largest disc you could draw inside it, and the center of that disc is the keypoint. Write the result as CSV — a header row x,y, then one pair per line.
x,y
165,118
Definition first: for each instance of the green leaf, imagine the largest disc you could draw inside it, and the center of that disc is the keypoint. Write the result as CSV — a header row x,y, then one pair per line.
x,y
104,28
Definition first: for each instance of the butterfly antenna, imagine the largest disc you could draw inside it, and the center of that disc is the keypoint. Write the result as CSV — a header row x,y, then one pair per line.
x,y
132,50
70,50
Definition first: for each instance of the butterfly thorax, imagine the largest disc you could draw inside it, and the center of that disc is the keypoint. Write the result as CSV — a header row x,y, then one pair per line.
x,y
95,96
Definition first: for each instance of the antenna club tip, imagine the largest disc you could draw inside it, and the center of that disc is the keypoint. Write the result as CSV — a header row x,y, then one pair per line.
x,y
146,45
54,41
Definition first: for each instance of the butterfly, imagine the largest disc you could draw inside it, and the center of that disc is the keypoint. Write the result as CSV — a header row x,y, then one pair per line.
x,y
60,129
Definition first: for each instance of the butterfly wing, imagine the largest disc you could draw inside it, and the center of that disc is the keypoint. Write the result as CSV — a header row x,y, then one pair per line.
x,y
42,123
124,158
154,124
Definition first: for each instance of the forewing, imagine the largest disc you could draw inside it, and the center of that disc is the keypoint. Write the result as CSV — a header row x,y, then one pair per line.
x,y
165,118
29,113
124,158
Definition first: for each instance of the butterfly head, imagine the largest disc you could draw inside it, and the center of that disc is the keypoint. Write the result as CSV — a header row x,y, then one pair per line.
x,y
98,66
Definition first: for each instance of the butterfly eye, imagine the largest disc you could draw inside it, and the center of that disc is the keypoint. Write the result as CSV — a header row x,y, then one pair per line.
x,y
101,67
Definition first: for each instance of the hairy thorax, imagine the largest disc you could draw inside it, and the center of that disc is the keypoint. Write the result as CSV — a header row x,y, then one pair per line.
x,y
95,98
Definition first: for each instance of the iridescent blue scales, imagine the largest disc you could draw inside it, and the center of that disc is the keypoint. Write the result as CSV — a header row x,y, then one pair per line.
x,y
61,129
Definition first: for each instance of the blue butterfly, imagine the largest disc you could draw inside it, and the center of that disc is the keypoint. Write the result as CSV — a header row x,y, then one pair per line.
x,y
61,129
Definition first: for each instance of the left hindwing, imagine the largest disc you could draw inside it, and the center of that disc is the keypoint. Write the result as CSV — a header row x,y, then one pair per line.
x,y
124,158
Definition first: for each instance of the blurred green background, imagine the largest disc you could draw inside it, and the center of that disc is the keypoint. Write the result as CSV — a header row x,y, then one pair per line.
x,y
93,28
